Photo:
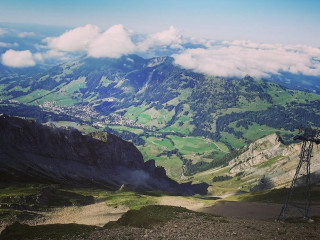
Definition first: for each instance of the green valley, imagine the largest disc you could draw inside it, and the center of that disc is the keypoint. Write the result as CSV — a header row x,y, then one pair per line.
x,y
173,115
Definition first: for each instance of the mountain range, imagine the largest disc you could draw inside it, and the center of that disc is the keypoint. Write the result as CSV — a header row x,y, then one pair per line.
x,y
167,111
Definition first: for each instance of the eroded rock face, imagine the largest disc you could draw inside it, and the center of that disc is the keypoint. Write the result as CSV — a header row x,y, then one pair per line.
x,y
258,152
269,159
33,152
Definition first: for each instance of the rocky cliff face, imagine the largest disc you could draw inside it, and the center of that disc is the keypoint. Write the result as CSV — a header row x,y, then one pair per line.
x,y
33,152
268,159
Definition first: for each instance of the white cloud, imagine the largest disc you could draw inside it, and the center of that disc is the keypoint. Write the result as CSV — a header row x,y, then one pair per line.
x,y
239,58
18,59
57,55
3,44
171,38
3,31
8,45
77,39
113,43
226,58
54,54
26,34
38,57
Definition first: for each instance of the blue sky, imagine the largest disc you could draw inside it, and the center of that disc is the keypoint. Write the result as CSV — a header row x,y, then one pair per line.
x,y
271,21
224,38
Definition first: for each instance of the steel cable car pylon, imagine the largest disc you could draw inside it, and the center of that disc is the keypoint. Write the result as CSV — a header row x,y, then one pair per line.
x,y
301,180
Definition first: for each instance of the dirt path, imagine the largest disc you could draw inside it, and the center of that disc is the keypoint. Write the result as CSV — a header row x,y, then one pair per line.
x,y
99,214
182,202
95,214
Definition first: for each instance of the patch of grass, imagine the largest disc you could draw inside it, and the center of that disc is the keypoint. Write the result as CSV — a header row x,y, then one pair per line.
x,y
134,112
59,98
57,198
256,131
275,195
16,190
183,119
149,215
165,142
144,118
153,147
51,231
177,129
159,118
270,162
221,178
11,215
42,196
19,88
75,85
215,155
130,199
171,164
189,145
84,128
121,128
222,146
33,95
232,140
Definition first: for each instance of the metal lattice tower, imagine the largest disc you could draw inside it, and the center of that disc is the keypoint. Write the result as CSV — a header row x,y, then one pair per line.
x,y
298,197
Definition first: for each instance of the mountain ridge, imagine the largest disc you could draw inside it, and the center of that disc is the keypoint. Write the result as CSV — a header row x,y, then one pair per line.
x,y
264,164
160,105
114,85
34,152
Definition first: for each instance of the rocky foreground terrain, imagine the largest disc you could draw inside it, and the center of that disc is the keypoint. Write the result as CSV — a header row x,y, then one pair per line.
x,y
163,222
210,227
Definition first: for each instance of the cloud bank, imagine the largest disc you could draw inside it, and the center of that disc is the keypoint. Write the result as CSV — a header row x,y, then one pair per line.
x,y
18,59
77,39
114,42
26,34
219,58
226,59
8,45
239,58
3,31
168,38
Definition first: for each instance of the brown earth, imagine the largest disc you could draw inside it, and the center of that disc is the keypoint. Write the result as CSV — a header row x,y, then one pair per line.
x,y
241,220
211,227
254,210
95,214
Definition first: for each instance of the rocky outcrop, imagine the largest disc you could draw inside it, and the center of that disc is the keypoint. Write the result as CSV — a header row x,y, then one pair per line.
x,y
31,152
268,160
258,152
